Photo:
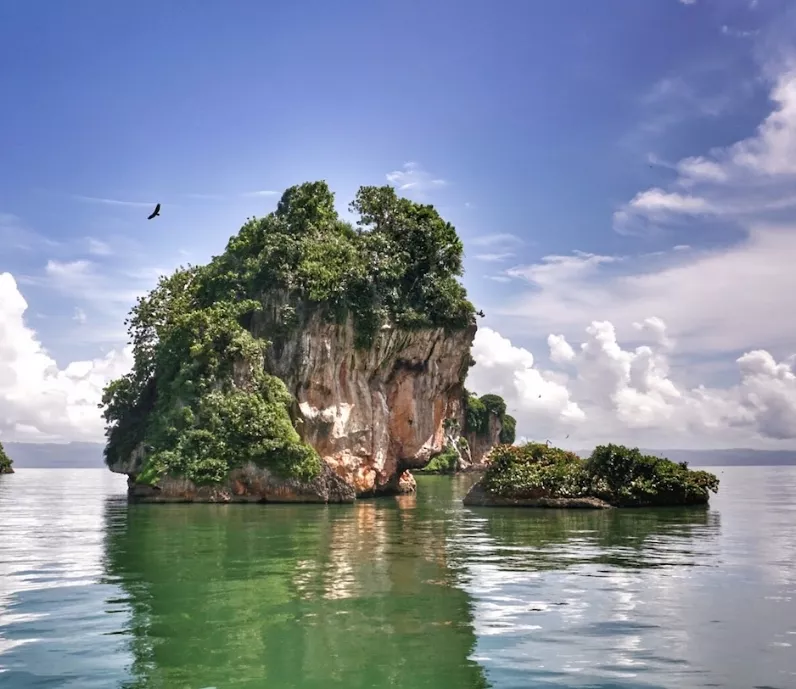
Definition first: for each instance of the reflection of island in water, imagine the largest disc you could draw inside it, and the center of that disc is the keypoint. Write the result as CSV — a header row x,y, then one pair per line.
x,y
535,539
291,596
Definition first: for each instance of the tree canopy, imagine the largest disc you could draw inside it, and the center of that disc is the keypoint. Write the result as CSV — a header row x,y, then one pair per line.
x,y
5,460
617,474
478,411
198,402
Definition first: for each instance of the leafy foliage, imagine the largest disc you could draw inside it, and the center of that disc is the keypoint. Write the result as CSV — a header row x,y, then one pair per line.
x,y
5,461
401,263
198,401
508,432
444,463
478,411
619,475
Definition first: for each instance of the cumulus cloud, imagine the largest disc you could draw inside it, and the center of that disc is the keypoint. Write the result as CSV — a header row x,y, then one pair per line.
x,y
603,392
509,371
38,400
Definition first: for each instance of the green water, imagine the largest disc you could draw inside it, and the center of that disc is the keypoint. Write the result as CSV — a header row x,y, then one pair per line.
x,y
407,592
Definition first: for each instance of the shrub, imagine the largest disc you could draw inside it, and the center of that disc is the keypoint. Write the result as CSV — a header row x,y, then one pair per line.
x,y
444,463
535,470
617,474
508,431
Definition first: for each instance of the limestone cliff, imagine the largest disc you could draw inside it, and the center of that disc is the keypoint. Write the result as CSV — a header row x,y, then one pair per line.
x,y
370,413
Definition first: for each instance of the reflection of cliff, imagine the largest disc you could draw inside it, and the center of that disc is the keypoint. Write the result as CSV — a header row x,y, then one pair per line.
x,y
291,596
623,538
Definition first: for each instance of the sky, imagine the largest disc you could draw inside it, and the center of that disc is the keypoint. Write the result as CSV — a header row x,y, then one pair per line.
x,y
622,174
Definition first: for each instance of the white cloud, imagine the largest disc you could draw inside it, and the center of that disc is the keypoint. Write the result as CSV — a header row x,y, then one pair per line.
x,y
509,371
719,300
38,400
262,192
687,2
114,202
604,392
412,179
555,269
97,247
738,33
750,178
84,281
730,297
492,239
493,258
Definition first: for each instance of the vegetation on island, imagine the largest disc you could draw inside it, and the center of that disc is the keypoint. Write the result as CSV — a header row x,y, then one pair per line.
x,y
477,413
198,402
618,475
5,462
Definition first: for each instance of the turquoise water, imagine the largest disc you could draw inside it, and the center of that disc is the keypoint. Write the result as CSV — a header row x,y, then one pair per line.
x,y
406,592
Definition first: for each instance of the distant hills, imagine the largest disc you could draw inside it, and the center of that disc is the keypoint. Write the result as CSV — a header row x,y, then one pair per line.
x,y
734,457
89,456
53,455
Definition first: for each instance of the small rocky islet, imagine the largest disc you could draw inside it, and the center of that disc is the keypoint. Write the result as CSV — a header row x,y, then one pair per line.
x,y
318,361
536,475
6,465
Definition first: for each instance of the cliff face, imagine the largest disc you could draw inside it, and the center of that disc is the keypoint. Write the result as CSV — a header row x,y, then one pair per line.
x,y
370,413
481,444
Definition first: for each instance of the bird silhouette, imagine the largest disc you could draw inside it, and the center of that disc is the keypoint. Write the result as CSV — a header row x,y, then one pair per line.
x,y
155,213
479,313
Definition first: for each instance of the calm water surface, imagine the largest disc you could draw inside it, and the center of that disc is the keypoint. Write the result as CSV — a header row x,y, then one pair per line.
x,y
407,592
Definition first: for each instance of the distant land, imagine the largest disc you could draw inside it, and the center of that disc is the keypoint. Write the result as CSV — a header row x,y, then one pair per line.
x,y
55,455
734,457
89,456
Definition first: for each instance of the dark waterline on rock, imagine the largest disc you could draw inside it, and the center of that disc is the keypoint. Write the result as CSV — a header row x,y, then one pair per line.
x,y
395,592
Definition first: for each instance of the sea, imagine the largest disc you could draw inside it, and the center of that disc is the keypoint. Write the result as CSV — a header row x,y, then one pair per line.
x,y
409,591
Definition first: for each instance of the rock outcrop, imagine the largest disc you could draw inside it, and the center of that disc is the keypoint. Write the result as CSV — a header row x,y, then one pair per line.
x,y
370,413
481,444
248,483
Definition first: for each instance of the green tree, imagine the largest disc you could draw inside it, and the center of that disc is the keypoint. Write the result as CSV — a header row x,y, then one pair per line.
x,y
5,462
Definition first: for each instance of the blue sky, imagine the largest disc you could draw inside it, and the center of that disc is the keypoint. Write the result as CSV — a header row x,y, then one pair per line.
x,y
539,120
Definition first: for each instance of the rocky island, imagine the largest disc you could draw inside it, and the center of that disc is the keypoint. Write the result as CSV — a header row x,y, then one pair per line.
x,y
5,462
469,439
535,475
312,361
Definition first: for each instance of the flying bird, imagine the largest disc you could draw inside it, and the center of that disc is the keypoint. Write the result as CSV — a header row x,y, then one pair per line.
x,y
479,313
155,213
